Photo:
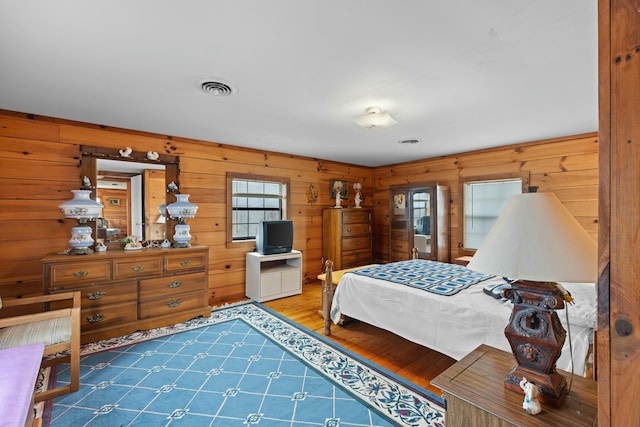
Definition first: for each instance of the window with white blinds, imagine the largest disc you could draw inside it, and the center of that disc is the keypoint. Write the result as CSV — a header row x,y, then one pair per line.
x,y
483,201
254,201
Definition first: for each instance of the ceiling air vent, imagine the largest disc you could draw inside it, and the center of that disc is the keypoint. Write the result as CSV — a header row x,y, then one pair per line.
x,y
409,141
217,87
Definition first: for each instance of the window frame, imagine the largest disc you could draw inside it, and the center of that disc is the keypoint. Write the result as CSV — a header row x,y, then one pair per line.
x,y
523,176
249,244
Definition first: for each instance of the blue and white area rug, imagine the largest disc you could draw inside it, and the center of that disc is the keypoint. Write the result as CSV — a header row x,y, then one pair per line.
x,y
243,366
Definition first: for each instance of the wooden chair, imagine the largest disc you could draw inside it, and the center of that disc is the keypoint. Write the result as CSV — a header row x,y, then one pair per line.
x,y
56,324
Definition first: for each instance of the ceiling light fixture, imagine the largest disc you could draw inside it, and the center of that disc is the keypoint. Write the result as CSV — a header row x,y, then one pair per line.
x,y
375,118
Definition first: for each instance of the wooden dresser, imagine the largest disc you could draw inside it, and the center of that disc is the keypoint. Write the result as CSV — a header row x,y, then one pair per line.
x,y
126,291
346,237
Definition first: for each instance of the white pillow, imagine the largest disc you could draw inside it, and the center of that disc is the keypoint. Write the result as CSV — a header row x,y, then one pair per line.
x,y
584,311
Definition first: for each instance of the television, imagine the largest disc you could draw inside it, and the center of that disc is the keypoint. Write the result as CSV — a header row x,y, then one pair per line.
x,y
274,237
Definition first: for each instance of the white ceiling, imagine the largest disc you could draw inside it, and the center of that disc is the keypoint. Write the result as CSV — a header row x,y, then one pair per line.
x,y
458,74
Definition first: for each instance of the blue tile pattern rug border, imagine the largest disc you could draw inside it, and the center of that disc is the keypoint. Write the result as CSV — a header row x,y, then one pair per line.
x,y
432,276
396,400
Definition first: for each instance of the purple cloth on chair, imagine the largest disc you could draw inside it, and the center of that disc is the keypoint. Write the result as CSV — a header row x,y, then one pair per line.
x,y
19,367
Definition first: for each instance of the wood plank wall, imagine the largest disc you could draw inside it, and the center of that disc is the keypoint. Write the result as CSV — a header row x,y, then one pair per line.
x,y
567,167
39,165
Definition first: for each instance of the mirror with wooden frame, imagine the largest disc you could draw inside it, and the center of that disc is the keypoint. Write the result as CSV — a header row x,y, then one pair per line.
x,y
133,190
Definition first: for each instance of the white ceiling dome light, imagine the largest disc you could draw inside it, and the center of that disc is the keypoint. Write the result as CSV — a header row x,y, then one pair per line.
x,y
375,118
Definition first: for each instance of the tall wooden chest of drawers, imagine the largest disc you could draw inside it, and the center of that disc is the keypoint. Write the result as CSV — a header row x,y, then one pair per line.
x,y
346,237
126,291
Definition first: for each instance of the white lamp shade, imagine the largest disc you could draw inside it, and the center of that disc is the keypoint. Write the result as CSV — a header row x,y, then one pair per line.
x,y
81,206
536,238
182,208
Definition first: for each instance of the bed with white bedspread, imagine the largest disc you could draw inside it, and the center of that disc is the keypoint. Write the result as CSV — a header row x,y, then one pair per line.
x,y
455,325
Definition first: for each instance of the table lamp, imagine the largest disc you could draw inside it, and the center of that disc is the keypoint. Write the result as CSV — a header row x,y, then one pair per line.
x,y
537,242
83,209
180,210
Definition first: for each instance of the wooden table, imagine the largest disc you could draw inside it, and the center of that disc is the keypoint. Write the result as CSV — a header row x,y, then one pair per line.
x,y
476,396
19,367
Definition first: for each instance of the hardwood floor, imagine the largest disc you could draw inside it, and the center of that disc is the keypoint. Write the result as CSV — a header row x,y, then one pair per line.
x,y
414,362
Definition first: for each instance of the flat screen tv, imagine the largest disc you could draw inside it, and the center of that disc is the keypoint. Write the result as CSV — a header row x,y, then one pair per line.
x,y
274,237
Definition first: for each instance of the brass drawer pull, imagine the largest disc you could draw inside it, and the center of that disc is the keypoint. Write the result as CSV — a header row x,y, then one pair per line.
x,y
96,295
185,263
174,303
348,230
80,274
174,284
95,318
137,267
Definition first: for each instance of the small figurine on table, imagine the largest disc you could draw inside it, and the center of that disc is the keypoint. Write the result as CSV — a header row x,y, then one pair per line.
x,y
531,404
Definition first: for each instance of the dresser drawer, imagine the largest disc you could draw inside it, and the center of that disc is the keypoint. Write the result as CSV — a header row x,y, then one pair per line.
x,y
399,235
355,216
72,275
171,304
356,243
351,230
109,293
102,317
152,288
184,262
137,267
356,258
399,245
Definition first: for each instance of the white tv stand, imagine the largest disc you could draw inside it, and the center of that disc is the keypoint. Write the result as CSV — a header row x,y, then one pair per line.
x,y
273,276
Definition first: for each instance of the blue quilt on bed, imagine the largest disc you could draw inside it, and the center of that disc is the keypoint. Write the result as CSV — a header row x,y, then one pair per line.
x,y
432,276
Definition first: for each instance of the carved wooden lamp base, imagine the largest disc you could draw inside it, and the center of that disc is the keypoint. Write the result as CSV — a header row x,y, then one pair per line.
x,y
536,337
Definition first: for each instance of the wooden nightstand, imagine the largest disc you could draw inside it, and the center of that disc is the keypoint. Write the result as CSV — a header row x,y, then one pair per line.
x,y
475,394
463,260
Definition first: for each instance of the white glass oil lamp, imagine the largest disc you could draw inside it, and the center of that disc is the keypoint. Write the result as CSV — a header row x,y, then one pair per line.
x,y
180,210
84,209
